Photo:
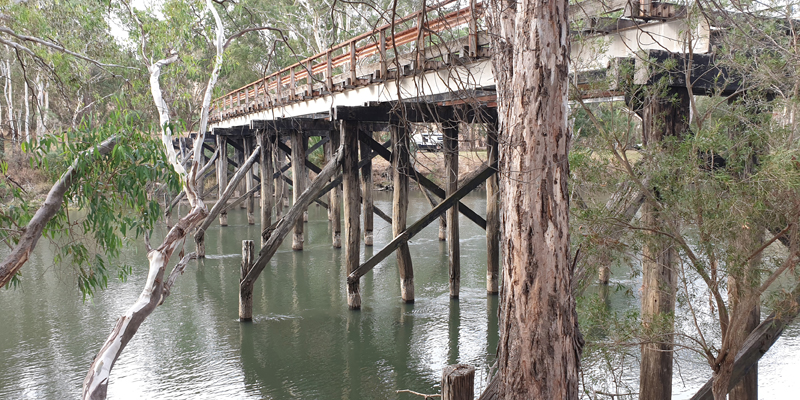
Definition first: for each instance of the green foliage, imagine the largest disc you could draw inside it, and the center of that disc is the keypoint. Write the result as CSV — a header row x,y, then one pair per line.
x,y
111,200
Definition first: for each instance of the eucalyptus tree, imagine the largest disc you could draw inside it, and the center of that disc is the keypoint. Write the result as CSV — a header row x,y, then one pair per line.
x,y
725,190
540,345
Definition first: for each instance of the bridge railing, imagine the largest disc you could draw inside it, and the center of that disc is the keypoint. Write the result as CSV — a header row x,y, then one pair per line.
x,y
340,66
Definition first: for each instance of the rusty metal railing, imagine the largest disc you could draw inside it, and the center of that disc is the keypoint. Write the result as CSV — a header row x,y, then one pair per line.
x,y
297,82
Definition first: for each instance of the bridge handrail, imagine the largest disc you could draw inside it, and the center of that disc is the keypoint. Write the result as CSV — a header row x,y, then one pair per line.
x,y
323,63
271,87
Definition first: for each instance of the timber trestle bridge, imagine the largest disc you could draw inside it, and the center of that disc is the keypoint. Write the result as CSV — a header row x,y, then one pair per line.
x,y
430,67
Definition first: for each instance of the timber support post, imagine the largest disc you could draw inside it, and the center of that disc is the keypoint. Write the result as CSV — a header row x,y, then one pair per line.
x,y
222,174
366,191
239,155
458,382
249,182
299,178
492,217
335,209
450,130
328,151
401,166
349,141
280,185
246,290
266,172
664,115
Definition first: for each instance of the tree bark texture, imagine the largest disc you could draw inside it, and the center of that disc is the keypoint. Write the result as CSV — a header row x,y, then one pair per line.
x,y
450,131
299,179
352,208
401,165
664,115
540,345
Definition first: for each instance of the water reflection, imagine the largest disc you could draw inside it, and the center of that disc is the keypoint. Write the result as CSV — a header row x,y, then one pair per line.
x,y
303,341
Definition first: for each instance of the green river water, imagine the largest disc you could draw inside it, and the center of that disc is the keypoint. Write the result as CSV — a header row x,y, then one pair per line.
x,y
303,343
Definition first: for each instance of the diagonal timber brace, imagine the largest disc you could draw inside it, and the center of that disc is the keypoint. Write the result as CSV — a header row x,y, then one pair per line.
x,y
418,226
338,181
287,222
425,182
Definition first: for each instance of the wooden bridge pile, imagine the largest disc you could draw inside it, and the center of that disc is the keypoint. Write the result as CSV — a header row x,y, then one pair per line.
x,y
349,147
267,129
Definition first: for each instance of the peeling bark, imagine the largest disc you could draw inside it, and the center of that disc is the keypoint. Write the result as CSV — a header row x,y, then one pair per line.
x,y
540,345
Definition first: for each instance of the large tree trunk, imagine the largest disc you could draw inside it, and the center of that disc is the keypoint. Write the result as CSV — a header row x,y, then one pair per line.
x,y
540,345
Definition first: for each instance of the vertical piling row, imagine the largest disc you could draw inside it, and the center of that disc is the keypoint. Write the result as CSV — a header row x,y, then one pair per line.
x,y
299,179
349,139
249,182
265,165
366,193
401,166
222,174
492,216
246,291
336,199
450,130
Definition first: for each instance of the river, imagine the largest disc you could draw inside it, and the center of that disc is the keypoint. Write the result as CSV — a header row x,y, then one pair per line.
x,y
303,342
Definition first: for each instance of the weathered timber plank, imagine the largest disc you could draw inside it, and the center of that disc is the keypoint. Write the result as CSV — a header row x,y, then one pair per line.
x,y
350,195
